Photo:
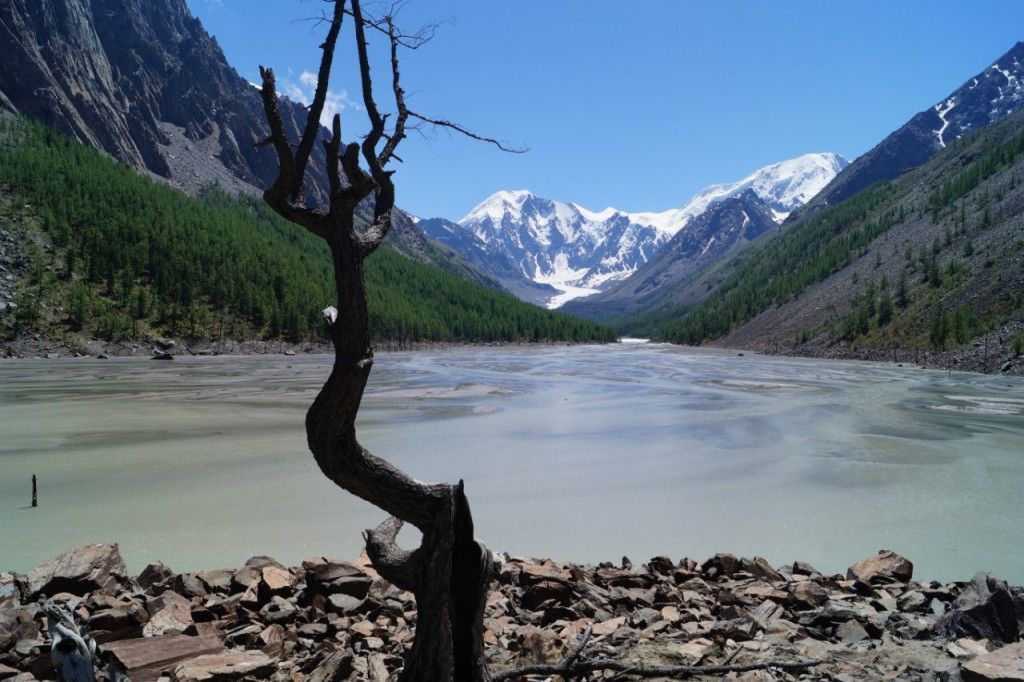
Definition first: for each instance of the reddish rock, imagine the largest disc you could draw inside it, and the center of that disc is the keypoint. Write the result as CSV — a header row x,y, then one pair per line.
x,y
230,665
78,571
887,566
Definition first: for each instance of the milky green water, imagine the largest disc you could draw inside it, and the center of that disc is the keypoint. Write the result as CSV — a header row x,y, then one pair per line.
x,y
579,453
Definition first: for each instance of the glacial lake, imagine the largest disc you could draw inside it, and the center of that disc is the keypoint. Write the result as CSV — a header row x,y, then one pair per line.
x,y
583,453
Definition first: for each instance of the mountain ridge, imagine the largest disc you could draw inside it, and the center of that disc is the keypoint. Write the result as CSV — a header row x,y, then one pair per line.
x,y
143,81
994,93
553,252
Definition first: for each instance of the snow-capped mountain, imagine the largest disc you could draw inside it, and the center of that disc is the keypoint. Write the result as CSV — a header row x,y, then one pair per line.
x,y
567,251
994,93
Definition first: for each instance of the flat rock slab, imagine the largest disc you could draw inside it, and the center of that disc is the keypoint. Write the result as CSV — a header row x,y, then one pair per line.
x,y
1002,665
229,665
82,569
146,657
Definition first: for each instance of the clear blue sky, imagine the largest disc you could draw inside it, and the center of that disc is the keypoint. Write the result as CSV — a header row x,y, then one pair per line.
x,y
637,105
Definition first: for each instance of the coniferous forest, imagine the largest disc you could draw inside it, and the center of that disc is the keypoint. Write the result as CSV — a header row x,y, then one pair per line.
x,y
124,256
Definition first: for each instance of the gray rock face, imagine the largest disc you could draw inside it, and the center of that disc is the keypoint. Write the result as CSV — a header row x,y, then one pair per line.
x,y
143,81
986,609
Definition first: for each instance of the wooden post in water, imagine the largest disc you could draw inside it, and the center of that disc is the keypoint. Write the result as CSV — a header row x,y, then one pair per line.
x,y
35,498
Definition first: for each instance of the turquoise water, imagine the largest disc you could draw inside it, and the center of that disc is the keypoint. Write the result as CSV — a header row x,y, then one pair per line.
x,y
581,453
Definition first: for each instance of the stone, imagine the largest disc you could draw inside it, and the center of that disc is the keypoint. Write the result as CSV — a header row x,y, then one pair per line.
x,y
78,571
803,568
670,613
218,580
533,572
720,565
125,620
10,589
278,610
967,648
17,624
986,609
171,614
912,600
886,566
145,657
153,574
808,595
609,626
277,580
327,576
760,568
230,665
546,590
695,649
851,632
337,666
377,669
1002,665
344,603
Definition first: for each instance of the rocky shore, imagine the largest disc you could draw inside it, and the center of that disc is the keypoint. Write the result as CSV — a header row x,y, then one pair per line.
x,y
161,348
330,619
992,353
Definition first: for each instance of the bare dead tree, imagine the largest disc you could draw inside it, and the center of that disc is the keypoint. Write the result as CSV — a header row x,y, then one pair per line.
x,y
450,571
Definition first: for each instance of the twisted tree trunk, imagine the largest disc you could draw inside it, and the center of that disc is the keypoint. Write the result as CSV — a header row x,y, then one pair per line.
x,y
450,571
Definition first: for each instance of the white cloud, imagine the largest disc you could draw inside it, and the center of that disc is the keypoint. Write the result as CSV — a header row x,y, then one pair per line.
x,y
303,90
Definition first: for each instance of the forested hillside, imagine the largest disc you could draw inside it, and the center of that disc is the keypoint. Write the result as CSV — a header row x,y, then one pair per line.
x,y
96,249
929,262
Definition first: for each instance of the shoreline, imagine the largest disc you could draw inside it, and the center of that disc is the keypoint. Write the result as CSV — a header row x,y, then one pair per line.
x,y
953,360
31,349
146,350
335,619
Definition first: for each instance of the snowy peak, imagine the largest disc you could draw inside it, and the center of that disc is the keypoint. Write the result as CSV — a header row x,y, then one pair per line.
x,y
784,186
572,251
499,205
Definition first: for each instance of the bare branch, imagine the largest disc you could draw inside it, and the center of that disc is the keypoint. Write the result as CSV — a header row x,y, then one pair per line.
x,y
277,135
412,41
372,112
396,565
278,195
441,123
316,108
333,156
403,112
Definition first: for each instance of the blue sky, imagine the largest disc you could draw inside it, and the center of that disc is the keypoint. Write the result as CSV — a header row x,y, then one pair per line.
x,y
635,105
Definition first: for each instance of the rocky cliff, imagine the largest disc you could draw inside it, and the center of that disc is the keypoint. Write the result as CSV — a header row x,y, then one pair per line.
x,y
143,81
